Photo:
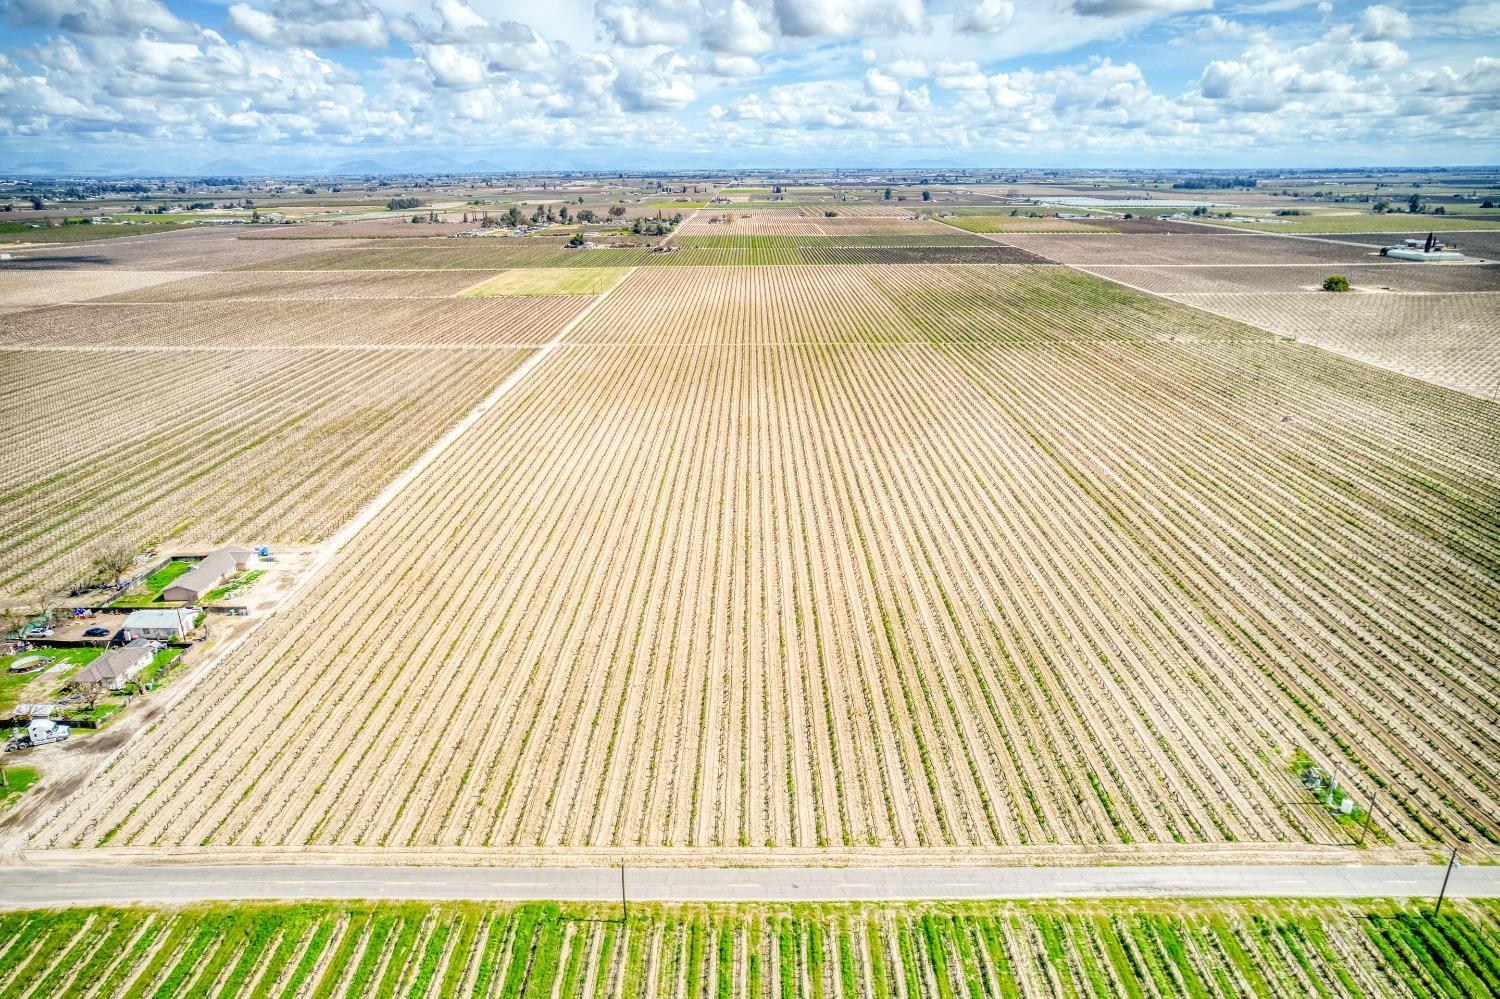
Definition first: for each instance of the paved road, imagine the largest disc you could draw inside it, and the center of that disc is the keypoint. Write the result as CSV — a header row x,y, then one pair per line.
x,y
22,887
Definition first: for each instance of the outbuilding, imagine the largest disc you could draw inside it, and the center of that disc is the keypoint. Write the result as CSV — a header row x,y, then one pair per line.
x,y
117,667
208,573
167,625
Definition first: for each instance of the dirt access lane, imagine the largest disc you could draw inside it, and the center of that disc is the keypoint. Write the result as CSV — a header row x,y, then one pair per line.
x,y
28,887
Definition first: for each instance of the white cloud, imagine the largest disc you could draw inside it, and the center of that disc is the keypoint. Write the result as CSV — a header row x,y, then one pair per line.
x,y
104,18
737,30
877,84
734,66
1134,8
989,17
658,80
1383,23
848,18
311,23
648,22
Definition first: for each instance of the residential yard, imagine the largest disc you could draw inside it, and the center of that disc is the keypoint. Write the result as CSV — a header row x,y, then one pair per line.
x,y
234,584
148,592
25,688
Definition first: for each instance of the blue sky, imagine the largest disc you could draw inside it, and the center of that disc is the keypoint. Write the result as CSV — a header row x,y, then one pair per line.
x,y
99,85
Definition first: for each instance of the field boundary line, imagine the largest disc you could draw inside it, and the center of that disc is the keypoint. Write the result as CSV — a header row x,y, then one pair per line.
x,y
321,561
93,885
395,486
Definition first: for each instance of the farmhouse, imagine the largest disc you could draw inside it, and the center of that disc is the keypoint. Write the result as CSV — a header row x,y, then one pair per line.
x,y
159,625
117,667
207,574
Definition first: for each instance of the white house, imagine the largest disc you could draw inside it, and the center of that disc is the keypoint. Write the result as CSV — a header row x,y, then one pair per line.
x,y
117,667
166,625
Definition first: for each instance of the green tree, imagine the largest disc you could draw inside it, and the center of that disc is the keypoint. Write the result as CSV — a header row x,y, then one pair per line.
x,y
1335,282
888,194
513,216
1414,204
616,211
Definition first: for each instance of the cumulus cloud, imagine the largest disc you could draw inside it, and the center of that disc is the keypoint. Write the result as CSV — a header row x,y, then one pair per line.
x,y
1380,23
648,22
737,30
987,18
1134,8
734,66
103,18
848,18
659,81
312,23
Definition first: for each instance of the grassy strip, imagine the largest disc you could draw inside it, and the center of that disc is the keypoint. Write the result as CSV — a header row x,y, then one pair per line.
x,y
1128,948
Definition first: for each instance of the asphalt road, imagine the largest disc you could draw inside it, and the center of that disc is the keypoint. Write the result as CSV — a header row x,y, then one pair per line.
x,y
25,887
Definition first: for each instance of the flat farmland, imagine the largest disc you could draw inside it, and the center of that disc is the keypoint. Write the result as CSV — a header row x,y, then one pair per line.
x,y
1484,245
420,323
1447,339
1190,246
997,562
1412,278
200,447
919,951
28,289
274,285
463,254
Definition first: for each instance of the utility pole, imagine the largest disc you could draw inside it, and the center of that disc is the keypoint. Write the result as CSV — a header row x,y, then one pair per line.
x,y
1369,820
1452,862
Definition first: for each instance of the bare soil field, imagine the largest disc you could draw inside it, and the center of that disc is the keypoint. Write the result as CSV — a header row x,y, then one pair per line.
x,y
417,322
1410,278
1194,248
202,447
24,289
1451,340
200,249
465,254
951,560
234,286
1485,245
758,224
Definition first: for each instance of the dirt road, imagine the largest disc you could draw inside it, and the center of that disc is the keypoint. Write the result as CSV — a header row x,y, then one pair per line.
x,y
25,886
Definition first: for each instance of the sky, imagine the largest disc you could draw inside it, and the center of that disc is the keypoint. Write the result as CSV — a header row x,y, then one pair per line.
x,y
289,85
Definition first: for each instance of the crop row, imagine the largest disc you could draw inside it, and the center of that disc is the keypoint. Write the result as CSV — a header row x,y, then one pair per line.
x,y
1452,340
1209,950
766,242
312,323
209,446
956,558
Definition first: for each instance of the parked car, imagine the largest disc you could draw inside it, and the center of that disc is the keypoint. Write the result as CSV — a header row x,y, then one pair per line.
x,y
38,631
96,632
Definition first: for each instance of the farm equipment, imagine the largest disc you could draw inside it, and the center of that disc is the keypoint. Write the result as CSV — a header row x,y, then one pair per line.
x,y
39,732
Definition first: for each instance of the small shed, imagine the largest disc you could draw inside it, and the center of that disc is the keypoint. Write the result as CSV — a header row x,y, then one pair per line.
x,y
117,667
167,625
193,584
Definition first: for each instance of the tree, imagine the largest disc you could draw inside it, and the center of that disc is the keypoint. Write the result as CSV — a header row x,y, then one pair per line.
x,y
513,216
888,194
926,195
1381,207
13,621
36,201
1414,204
585,215
1335,282
564,214
616,211
112,561
577,239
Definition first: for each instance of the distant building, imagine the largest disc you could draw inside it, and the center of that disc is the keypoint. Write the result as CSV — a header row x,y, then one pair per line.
x,y
193,584
167,625
117,667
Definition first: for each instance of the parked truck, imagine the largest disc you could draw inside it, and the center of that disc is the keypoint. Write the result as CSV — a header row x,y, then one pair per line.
x,y
39,732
